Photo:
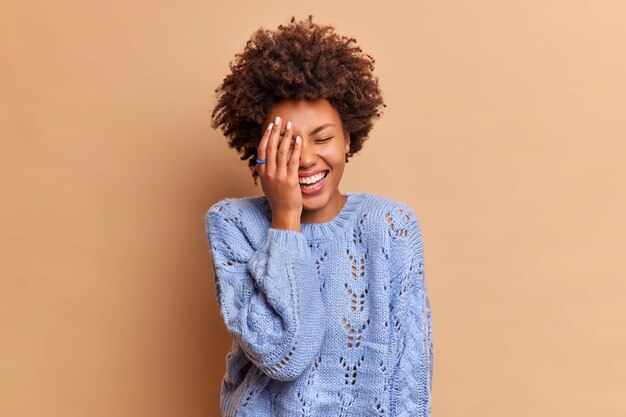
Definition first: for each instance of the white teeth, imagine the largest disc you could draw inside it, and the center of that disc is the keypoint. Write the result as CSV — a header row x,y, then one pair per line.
x,y
312,179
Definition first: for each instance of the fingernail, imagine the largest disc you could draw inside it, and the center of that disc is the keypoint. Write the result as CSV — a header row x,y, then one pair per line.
x,y
269,127
277,121
289,124
298,139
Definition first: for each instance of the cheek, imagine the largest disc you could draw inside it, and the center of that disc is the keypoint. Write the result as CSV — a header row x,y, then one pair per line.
x,y
334,155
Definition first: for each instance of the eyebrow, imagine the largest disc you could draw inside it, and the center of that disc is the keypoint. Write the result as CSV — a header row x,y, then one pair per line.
x,y
316,130
320,128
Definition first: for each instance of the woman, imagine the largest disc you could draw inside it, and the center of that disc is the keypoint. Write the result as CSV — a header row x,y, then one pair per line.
x,y
323,292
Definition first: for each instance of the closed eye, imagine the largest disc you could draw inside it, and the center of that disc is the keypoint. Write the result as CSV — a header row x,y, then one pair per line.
x,y
318,141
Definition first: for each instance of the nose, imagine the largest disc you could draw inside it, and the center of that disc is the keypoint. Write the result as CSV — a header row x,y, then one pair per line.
x,y
308,157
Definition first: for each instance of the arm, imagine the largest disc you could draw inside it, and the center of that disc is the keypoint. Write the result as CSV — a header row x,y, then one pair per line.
x,y
412,359
269,296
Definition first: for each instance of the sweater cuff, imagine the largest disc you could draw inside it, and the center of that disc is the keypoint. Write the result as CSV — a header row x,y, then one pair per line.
x,y
285,241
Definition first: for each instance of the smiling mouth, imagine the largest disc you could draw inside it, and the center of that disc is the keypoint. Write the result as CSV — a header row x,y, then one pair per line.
x,y
316,184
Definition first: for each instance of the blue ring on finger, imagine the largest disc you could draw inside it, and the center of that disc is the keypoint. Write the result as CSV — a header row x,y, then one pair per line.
x,y
261,161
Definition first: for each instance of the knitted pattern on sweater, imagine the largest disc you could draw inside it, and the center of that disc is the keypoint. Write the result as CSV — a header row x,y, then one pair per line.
x,y
334,320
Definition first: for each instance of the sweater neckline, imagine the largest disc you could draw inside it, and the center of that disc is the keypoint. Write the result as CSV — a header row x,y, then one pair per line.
x,y
337,225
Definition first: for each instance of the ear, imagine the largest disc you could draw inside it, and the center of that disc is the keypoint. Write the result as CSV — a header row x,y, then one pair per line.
x,y
346,135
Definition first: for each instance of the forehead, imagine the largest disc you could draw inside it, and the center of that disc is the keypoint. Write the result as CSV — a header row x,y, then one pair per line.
x,y
304,112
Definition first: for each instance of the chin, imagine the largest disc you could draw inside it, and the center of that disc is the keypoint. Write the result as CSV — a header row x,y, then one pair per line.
x,y
313,201
317,200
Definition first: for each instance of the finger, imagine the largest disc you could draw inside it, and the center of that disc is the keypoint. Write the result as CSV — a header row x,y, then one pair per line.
x,y
271,145
294,161
262,148
283,149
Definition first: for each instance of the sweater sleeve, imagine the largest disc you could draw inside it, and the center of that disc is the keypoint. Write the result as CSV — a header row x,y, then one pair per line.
x,y
269,296
412,365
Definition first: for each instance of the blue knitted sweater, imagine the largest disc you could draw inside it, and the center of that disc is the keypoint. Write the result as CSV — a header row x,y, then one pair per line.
x,y
334,320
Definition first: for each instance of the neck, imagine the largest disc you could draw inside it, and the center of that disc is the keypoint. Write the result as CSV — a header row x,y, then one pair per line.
x,y
327,213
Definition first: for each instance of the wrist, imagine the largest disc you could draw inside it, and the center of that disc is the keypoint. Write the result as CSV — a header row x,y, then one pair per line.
x,y
286,221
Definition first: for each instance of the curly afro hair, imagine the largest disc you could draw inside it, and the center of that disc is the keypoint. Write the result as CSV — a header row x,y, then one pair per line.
x,y
301,60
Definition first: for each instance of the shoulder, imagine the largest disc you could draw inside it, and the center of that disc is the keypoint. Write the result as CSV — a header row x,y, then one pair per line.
x,y
240,206
396,215
247,214
381,201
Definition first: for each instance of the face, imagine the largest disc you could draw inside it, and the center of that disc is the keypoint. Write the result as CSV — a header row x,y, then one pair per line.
x,y
324,148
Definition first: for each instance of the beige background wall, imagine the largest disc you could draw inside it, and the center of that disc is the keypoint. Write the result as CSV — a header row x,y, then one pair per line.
x,y
505,132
